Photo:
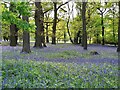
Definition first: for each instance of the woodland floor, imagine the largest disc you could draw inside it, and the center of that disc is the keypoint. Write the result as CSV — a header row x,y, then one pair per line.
x,y
66,53
59,66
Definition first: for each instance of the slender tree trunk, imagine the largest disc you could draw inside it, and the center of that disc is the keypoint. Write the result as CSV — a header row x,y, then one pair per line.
x,y
64,36
118,49
80,39
38,33
47,37
76,37
54,24
84,25
69,31
102,23
97,38
26,38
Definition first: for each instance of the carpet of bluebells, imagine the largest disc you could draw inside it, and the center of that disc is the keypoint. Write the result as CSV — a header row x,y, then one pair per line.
x,y
60,66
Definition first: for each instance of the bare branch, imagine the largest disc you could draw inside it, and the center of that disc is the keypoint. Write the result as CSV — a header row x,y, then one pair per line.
x,y
63,9
104,10
63,4
100,10
47,10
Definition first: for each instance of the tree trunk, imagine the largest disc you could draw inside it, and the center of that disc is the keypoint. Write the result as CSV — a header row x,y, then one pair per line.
x,y
80,39
13,29
12,35
76,38
38,33
97,38
118,49
103,40
26,38
84,25
54,24
69,31
64,36
42,25
16,35
47,37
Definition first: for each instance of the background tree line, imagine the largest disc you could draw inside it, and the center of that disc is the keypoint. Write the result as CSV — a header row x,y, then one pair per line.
x,y
51,22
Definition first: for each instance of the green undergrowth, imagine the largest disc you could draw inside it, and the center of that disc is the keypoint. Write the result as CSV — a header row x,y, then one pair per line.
x,y
32,74
67,54
4,43
51,55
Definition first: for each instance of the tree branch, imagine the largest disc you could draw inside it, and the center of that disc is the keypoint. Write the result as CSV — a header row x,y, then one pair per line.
x,y
47,10
100,10
63,9
63,4
104,10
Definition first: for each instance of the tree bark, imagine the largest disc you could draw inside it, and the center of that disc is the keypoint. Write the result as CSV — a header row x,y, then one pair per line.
x,y
97,35
38,33
54,24
80,39
13,29
103,40
84,25
26,38
16,35
47,37
118,49
64,36
12,35
76,38
42,25
68,31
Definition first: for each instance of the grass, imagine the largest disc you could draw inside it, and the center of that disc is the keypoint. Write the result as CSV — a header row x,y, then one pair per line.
x,y
32,74
51,55
4,43
67,54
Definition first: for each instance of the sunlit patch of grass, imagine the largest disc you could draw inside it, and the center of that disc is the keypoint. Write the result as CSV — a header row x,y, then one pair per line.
x,y
5,43
31,74
109,55
62,45
67,54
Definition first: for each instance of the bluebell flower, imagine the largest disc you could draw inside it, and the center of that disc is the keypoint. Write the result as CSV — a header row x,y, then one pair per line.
x,y
105,71
30,68
79,77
